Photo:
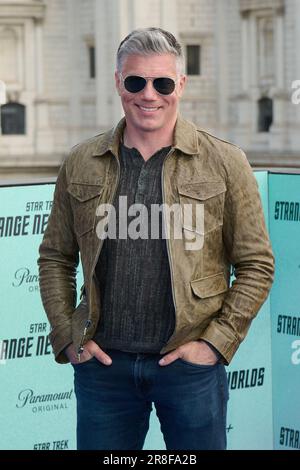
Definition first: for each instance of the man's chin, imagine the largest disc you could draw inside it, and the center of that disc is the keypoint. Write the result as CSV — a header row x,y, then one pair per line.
x,y
148,127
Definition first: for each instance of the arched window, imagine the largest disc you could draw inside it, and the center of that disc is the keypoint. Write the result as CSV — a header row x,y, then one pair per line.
x,y
12,119
265,114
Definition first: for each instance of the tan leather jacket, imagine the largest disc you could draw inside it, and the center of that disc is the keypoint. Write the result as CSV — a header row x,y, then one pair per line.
x,y
200,168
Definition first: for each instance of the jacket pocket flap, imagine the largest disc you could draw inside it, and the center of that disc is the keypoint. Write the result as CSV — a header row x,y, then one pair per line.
x,y
83,191
209,286
202,190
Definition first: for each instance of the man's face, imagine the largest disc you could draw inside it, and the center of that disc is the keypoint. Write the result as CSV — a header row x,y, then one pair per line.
x,y
148,110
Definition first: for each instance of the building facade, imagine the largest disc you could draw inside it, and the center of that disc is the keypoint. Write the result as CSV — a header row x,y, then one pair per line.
x,y
57,60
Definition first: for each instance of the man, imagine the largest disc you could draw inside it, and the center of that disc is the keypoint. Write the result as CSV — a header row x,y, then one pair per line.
x,y
157,320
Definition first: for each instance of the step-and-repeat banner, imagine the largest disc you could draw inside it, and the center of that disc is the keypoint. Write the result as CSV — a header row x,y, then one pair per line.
x,y
37,405
284,216
37,402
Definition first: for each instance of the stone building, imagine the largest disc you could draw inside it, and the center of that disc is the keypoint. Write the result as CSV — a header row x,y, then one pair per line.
x,y
57,62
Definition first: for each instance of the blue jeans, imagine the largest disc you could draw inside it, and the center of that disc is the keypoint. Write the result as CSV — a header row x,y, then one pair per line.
x,y
114,403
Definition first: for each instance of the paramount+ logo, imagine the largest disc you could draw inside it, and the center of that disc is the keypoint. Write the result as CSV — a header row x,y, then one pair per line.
x,y
23,277
40,403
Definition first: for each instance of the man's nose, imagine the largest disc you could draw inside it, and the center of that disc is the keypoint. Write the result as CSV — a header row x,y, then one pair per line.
x,y
149,91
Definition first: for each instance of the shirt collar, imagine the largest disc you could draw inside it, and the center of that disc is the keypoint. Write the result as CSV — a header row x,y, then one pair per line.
x,y
185,138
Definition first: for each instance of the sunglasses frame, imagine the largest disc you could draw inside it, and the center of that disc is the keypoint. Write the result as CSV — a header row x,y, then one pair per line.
x,y
151,79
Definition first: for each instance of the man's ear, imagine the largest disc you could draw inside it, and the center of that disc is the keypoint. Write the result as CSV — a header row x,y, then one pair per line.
x,y
118,82
181,85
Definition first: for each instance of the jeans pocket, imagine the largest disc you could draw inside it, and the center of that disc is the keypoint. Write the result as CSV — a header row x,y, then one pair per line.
x,y
84,363
198,366
223,383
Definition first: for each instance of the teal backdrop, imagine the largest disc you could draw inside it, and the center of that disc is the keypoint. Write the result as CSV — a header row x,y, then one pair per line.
x,y
37,402
284,219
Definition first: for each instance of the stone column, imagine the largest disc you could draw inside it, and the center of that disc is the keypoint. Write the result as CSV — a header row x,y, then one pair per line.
x,y
168,16
74,65
279,43
44,137
278,136
244,95
222,67
109,32
245,55
294,135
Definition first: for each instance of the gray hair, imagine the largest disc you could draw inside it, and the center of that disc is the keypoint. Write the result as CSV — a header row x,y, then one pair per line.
x,y
150,41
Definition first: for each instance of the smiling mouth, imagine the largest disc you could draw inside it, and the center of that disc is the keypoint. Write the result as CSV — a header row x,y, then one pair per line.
x,y
148,109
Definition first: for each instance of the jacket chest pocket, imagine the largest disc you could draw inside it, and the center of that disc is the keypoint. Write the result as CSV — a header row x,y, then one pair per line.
x,y
84,200
202,205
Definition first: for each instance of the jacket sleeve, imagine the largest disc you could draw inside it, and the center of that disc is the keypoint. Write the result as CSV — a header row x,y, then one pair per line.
x,y
248,250
58,260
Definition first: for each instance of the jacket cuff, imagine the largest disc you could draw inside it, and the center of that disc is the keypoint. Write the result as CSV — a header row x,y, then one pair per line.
x,y
60,338
219,337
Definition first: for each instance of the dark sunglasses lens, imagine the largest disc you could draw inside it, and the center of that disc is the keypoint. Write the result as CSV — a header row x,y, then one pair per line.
x,y
164,85
134,84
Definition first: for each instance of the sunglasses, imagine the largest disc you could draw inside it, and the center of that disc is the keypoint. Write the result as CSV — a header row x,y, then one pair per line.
x,y
163,85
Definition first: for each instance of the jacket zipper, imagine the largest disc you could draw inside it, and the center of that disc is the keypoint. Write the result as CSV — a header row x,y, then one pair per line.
x,y
81,348
89,322
167,239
